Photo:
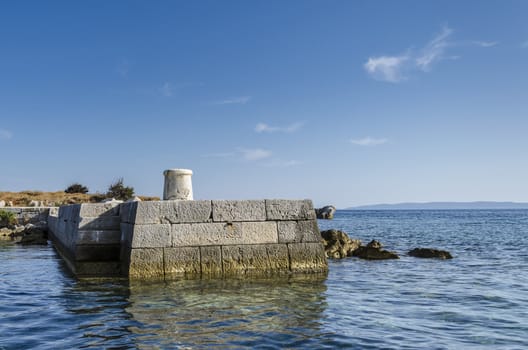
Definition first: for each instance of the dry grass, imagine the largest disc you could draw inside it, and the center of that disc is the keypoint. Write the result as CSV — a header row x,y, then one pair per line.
x,y
22,199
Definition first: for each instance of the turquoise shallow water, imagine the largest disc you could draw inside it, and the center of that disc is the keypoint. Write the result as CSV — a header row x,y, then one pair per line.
x,y
479,300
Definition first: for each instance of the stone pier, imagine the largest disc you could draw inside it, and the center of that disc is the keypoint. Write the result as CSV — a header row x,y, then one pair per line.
x,y
189,239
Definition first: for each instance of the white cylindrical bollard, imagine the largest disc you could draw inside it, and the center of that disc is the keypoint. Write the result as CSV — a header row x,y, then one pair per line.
x,y
178,184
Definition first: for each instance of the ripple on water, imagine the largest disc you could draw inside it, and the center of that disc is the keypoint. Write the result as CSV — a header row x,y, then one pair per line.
x,y
479,300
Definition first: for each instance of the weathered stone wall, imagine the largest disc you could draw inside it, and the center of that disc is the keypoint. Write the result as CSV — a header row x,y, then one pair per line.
x,y
190,239
88,237
29,215
174,239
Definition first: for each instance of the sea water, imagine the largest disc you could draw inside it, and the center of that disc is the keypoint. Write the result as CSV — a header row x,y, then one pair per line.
x,y
478,300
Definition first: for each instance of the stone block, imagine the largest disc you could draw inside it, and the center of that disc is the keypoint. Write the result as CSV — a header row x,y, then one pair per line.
x,y
279,257
127,230
127,212
53,222
98,209
181,211
100,223
282,209
231,211
146,263
100,252
211,260
307,257
303,231
150,236
258,232
97,268
203,234
245,259
141,212
98,237
181,261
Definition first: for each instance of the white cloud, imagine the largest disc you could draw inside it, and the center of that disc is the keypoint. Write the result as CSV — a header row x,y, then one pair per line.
x,y
393,68
166,89
254,154
486,43
248,154
5,134
386,68
241,100
262,127
368,141
434,51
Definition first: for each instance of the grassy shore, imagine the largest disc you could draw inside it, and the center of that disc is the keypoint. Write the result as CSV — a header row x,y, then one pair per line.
x,y
23,198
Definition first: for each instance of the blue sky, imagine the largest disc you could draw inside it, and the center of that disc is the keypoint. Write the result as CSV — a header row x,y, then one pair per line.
x,y
343,102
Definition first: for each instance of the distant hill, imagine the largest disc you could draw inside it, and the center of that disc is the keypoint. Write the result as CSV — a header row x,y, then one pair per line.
x,y
443,205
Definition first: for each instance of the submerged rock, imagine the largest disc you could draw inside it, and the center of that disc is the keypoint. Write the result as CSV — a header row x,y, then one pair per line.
x,y
430,253
374,244
34,235
326,212
338,245
373,253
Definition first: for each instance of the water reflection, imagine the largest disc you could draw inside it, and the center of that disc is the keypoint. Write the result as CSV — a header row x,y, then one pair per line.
x,y
234,313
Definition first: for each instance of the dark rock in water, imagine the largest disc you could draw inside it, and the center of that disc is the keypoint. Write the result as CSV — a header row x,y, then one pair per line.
x,y
34,236
430,253
374,244
325,212
338,245
372,253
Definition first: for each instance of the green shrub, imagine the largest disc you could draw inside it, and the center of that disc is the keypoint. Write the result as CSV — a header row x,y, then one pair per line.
x,y
7,218
119,191
76,188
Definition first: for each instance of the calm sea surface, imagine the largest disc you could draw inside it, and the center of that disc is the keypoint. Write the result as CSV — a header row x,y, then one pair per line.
x,y
478,300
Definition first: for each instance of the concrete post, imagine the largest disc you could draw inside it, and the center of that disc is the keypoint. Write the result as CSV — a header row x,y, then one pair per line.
x,y
178,184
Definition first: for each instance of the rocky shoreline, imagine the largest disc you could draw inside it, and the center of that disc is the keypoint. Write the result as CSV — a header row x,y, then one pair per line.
x,y
28,234
339,245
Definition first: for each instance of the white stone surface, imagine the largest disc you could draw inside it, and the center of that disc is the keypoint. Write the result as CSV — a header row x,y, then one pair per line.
x,y
178,184
146,236
203,234
303,231
239,210
282,209
181,211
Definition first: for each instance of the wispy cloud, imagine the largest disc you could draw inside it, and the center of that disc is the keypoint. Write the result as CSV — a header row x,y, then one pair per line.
x,y
241,100
246,154
392,68
386,68
262,127
254,154
166,90
486,43
368,141
434,50
5,134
